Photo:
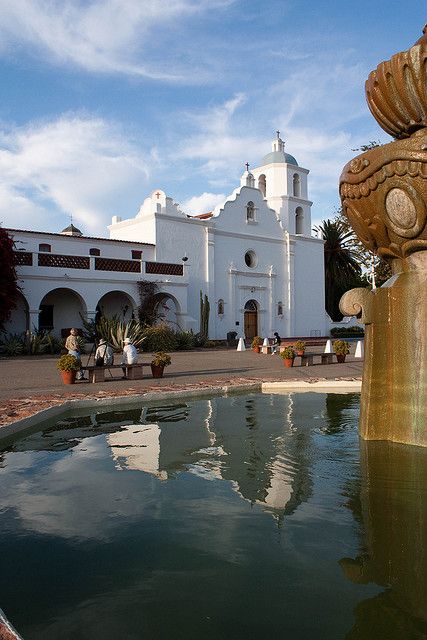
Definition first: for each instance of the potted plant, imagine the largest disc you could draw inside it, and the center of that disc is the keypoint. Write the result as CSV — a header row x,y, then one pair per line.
x,y
341,349
68,366
159,362
300,346
288,355
256,344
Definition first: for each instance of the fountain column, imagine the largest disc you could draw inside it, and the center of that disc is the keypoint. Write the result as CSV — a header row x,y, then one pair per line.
x,y
384,195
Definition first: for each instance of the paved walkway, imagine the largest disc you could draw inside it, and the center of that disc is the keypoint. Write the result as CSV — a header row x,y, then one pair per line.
x,y
30,383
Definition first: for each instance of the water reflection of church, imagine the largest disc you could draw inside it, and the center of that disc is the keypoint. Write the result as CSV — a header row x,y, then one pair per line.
x,y
266,464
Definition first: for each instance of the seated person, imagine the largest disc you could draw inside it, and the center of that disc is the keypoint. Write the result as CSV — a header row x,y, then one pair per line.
x,y
104,355
130,355
276,344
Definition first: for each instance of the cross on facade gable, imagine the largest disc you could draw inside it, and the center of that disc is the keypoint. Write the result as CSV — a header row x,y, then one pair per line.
x,y
278,134
158,194
247,166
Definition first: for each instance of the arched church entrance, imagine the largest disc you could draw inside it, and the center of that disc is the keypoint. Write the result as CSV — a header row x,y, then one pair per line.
x,y
251,319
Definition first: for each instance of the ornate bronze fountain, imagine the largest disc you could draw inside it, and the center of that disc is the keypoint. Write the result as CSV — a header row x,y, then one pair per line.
x,y
384,195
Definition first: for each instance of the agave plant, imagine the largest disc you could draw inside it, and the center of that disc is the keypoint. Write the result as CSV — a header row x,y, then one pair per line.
x,y
37,342
13,344
115,330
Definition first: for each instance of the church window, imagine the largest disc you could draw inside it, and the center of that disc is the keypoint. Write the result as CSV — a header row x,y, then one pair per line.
x,y
136,254
297,186
250,212
280,309
45,248
94,252
251,259
299,221
220,307
262,184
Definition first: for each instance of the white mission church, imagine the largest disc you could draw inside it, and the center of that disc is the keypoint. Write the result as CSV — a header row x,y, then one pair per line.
x,y
253,256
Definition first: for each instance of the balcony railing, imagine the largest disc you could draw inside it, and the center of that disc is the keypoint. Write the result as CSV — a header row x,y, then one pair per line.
x,y
65,262
164,268
117,265
114,264
24,258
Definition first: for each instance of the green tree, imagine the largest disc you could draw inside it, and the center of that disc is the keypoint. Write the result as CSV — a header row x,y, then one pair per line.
x,y
342,265
9,287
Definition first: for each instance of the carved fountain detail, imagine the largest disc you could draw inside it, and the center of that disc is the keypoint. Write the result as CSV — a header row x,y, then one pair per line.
x,y
384,195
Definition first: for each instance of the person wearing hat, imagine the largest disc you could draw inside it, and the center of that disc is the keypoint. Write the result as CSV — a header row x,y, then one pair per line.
x,y
130,354
104,355
73,348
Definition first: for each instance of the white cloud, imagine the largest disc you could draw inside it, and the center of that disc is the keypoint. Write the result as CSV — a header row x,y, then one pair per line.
x,y
204,203
104,35
219,139
74,165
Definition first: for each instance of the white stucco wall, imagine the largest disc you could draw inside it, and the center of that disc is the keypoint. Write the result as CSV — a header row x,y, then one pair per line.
x,y
309,289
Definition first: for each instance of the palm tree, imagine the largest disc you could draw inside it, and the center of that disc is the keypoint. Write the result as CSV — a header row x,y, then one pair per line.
x,y
342,266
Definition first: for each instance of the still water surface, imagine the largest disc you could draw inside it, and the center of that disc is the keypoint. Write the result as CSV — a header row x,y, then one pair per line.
x,y
247,517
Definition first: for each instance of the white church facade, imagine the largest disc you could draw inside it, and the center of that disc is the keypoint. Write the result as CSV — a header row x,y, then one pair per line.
x,y
253,256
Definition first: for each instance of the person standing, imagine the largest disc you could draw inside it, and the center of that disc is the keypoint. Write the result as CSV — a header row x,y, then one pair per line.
x,y
73,348
129,356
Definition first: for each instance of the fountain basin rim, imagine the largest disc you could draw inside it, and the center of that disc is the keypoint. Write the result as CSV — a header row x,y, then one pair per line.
x,y
12,430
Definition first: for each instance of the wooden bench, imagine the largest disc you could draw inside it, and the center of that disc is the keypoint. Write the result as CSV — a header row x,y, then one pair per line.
x,y
267,348
133,371
307,358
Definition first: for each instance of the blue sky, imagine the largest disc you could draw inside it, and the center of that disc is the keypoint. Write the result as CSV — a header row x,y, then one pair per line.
x,y
102,102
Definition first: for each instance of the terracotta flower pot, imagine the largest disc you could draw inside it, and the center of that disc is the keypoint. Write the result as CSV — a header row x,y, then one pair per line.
x,y
340,357
257,349
157,370
300,353
288,362
68,377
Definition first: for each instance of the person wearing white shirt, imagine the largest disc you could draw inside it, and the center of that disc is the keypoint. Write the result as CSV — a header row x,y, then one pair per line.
x,y
104,355
129,356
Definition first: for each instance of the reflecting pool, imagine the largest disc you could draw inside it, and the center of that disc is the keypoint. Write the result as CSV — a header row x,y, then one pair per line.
x,y
245,517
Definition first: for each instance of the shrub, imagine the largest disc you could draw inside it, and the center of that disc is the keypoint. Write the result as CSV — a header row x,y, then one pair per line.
x,y
347,332
161,359
68,363
287,353
54,344
13,344
300,345
184,340
160,337
341,347
256,342
200,340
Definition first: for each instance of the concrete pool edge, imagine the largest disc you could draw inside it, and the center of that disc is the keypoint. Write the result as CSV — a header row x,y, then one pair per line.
x,y
329,386
13,429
